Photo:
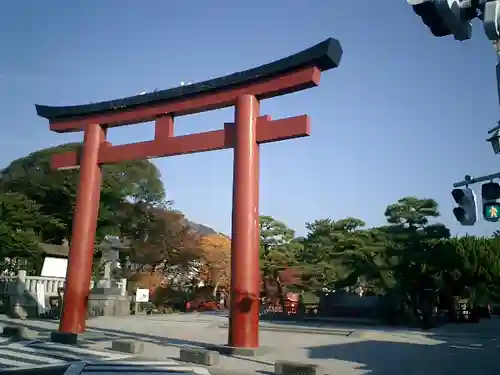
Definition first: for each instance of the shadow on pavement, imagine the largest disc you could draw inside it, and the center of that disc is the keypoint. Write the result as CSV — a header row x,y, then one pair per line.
x,y
456,357
42,370
23,353
345,325
400,354
180,343
94,335
321,321
110,334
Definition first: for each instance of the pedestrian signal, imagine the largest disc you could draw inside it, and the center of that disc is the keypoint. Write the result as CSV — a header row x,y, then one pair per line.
x,y
490,193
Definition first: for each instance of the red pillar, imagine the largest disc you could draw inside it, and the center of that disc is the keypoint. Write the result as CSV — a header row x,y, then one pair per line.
x,y
256,218
79,271
245,275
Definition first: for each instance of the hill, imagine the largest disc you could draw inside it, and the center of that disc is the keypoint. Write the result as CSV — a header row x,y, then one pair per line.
x,y
203,230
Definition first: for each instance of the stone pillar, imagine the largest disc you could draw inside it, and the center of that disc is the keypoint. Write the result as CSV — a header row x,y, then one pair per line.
x,y
20,283
105,282
18,304
123,287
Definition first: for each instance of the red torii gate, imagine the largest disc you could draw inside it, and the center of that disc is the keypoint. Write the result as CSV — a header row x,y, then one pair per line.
x,y
244,90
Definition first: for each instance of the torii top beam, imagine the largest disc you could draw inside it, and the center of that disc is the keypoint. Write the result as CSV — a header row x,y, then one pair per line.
x,y
293,73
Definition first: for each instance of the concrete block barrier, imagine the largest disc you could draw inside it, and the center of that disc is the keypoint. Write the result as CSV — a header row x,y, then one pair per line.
x,y
244,352
68,338
298,368
128,346
199,356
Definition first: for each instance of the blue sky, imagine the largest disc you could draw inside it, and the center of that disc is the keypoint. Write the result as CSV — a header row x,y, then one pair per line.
x,y
405,114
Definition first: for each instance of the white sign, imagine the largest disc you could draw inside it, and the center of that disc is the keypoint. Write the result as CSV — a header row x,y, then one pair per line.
x,y
54,267
142,295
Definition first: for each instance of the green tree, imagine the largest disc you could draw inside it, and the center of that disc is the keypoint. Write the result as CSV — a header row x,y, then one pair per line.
x,y
411,240
343,254
469,264
277,245
322,247
19,250
55,191
411,212
278,251
21,222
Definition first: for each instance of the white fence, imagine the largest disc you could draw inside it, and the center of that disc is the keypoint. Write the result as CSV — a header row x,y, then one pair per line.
x,y
20,284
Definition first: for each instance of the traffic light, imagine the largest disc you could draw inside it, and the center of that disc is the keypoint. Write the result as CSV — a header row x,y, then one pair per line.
x,y
466,212
490,192
491,20
446,17
427,11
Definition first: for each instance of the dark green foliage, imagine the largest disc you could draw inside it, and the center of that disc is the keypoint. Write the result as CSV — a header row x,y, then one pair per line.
x,y
408,257
38,202
410,254
55,191
20,223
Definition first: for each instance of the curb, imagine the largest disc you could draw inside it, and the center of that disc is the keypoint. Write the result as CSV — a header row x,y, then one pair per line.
x,y
328,322
244,352
438,335
314,331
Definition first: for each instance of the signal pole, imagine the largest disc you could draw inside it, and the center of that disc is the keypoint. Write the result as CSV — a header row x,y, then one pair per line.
x,y
470,181
494,139
453,18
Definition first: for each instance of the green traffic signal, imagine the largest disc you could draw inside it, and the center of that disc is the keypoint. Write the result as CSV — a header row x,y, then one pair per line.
x,y
491,211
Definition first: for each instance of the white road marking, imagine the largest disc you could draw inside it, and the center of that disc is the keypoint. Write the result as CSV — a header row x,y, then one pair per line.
x,y
146,367
23,355
28,354
85,351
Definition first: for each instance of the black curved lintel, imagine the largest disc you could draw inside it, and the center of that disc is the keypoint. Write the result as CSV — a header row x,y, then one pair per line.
x,y
325,55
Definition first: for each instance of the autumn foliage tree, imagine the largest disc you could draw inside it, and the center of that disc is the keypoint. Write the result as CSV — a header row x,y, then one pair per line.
x,y
215,260
162,250
161,239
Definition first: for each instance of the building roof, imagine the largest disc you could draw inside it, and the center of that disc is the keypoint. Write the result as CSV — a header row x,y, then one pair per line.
x,y
54,250
110,242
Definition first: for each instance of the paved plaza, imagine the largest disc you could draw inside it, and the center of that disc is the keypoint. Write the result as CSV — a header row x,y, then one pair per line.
x,y
341,349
